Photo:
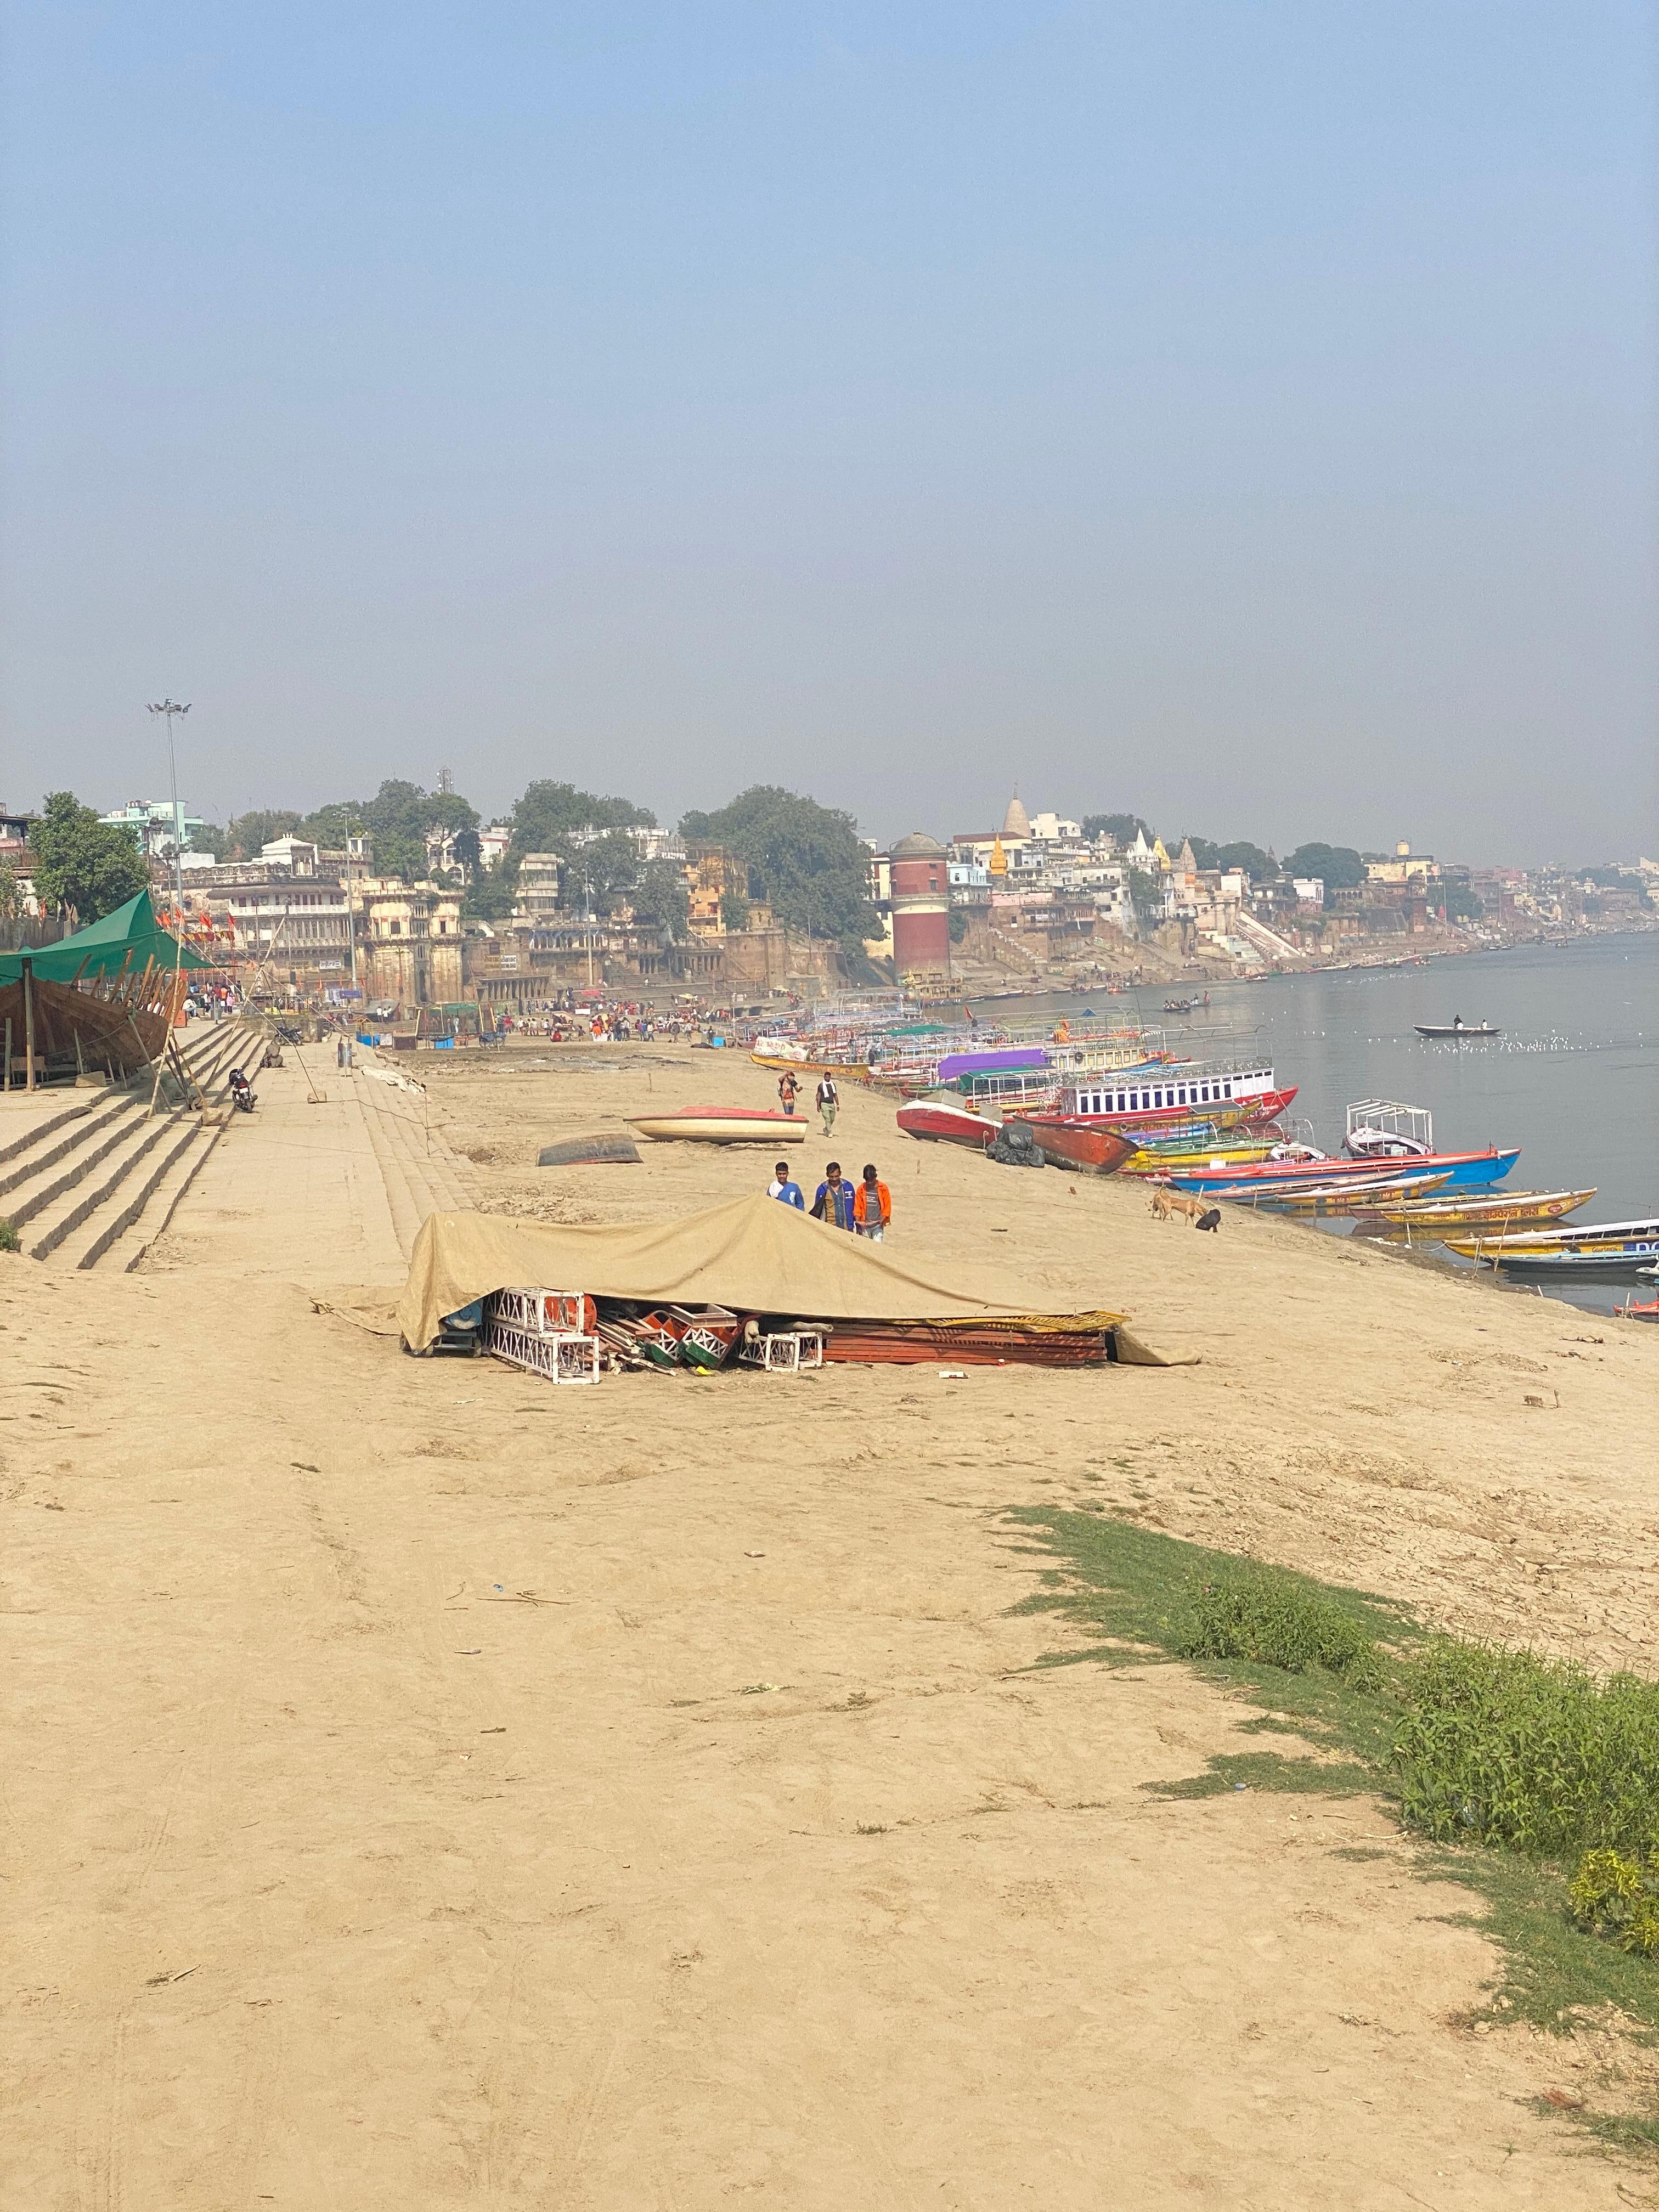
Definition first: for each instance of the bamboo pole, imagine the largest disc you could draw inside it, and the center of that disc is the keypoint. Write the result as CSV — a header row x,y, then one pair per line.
x,y
28,1022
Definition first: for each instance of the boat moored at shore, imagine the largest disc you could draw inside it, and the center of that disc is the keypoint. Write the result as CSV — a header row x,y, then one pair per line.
x,y
721,1125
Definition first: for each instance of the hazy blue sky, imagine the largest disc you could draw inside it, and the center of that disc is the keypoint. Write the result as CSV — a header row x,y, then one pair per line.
x,y
1241,413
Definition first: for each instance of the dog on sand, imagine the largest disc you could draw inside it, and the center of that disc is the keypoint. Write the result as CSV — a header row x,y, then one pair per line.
x,y
1175,1205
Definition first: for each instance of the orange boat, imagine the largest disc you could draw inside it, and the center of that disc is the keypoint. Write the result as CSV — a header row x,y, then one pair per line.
x,y
1078,1142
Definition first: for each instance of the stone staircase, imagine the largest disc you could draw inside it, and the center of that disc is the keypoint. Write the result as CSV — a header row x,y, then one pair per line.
x,y
422,1175
82,1179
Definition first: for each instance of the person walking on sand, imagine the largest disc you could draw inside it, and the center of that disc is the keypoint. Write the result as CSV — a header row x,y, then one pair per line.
x,y
788,1091
834,1203
872,1206
829,1103
783,1186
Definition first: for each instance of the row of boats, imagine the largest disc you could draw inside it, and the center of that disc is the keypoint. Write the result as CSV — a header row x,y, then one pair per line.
x,y
1216,1130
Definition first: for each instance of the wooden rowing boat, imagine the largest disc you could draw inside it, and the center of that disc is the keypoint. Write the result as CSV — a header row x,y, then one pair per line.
x,y
1514,1210
1464,1171
1635,1235
1072,1141
1332,1198
722,1125
935,1121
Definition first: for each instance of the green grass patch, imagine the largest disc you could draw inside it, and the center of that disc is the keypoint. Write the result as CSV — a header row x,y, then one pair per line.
x,y
1269,1770
1516,1765
9,1239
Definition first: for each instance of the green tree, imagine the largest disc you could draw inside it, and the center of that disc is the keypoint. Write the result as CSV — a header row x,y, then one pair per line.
x,y
210,838
1145,894
1338,867
490,893
330,826
957,923
734,910
397,822
467,848
548,816
1261,867
1122,829
606,868
805,861
260,826
11,892
661,901
81,864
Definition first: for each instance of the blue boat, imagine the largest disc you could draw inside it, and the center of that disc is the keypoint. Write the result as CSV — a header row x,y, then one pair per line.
x,y
1462,1170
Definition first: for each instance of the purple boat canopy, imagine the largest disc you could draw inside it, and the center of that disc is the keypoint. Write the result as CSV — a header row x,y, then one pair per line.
x,y
990,1061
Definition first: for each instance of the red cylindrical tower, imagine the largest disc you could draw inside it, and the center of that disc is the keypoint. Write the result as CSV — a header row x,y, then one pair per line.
x,y
921,905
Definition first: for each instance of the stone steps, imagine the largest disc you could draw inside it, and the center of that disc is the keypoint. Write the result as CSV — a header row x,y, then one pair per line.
x,y
84,1177
95,1179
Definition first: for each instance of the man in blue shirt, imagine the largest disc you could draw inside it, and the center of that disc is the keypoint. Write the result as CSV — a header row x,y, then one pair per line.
x,y
781,1187
834,1203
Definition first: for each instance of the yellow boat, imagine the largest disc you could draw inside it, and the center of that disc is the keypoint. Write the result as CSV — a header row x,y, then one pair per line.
x,y
855,1070
1495,1217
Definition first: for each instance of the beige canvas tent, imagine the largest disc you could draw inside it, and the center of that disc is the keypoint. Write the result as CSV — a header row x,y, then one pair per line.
x,y
751,1255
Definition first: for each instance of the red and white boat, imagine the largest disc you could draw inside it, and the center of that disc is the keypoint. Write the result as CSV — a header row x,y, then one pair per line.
x,y
933,1119
722,1125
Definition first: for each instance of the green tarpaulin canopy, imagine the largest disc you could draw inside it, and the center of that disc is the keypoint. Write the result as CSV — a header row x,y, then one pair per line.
x,y
126,938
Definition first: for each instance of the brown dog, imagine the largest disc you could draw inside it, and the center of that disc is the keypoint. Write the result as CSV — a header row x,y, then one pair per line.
x,y
1169,1205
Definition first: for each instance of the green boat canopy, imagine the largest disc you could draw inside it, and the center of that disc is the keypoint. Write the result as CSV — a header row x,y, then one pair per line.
x,y
123,939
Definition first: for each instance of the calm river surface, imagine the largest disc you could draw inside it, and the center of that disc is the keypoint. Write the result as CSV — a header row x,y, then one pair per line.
x,y
1574,1079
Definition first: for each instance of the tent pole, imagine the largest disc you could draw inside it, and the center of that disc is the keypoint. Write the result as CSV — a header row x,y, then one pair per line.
x,y
28,1022
9,1052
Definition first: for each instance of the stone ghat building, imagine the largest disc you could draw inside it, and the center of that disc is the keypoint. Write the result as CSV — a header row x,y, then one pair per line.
x,y
285,916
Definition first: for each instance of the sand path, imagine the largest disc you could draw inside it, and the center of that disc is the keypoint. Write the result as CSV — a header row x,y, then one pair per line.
x,y
424,1787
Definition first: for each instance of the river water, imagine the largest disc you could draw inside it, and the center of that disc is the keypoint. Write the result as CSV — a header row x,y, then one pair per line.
x,y
1574,1079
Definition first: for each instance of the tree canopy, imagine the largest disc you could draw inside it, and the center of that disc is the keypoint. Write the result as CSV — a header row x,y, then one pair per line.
x,y
246,834
550,815
805,861
1261,867
1338,867
83,865
661,901
1120,828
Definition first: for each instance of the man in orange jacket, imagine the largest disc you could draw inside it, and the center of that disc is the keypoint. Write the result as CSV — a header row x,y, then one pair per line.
x,y
872,1206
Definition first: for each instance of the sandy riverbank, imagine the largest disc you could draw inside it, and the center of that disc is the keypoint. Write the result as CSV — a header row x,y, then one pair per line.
x,y
425,1787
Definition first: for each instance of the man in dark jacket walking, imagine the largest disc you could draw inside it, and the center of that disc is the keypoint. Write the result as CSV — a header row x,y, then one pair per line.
x,y
834,1203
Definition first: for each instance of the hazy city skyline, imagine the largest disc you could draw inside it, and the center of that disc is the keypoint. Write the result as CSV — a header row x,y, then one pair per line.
x,y
1241,418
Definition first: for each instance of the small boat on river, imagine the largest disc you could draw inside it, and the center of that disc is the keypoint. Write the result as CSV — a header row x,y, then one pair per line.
x,y
1457,1027
1462,1171
1588,1248
1328,1197
722,1125
1625,1262
1511,1210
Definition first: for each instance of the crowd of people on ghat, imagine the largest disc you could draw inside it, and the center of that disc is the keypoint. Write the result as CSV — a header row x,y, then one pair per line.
x,y
865,1207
